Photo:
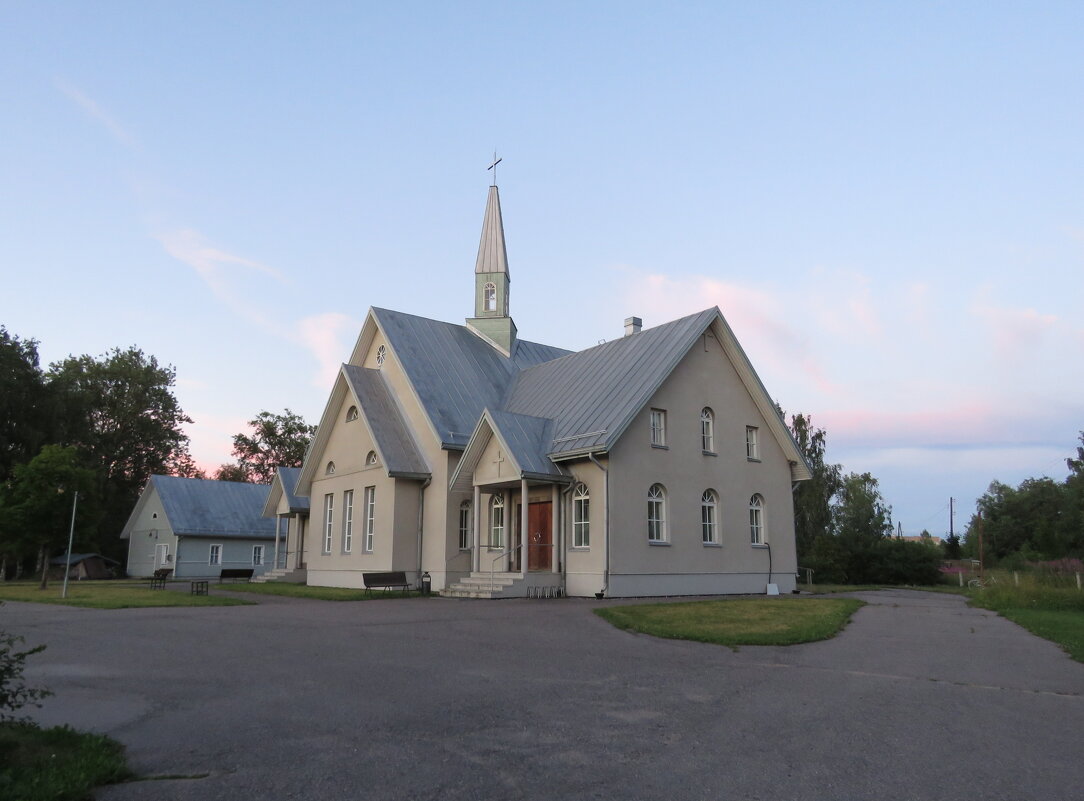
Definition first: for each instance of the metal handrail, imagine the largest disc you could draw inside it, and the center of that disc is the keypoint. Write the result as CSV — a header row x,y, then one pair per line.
x,y
499,556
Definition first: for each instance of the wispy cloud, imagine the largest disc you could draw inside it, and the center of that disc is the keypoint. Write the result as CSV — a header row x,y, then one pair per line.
x,y
95,111
1015,332
327,336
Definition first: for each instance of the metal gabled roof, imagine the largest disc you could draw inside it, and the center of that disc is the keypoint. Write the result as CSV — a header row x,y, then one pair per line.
x,y
455,373
202,507
285,484
528,440
398,450
593,395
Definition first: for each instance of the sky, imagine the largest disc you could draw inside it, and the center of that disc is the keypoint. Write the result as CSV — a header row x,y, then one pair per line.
x,y
884,199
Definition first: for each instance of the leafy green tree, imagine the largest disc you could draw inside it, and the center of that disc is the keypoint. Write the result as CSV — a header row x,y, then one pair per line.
x,y
231,472
813,498
120,412
277,440
862,514
951,547
37,504
24,412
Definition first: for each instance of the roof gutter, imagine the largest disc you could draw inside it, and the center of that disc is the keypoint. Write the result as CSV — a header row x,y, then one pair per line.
x,y
605,522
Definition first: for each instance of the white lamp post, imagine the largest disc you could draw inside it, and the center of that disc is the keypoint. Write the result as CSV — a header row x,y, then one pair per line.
x,y
71,536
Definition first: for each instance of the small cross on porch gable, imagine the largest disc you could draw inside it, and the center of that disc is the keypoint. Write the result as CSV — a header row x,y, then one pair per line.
x,y
499,461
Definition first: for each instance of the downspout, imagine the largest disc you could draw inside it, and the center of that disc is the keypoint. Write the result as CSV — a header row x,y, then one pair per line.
x,y
562,522
605,522
421,519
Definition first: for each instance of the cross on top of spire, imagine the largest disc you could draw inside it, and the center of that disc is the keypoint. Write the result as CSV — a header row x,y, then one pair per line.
x,y
493,166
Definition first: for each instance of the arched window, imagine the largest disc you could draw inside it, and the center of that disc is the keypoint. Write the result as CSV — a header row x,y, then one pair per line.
x,y
465,525
707,430
757,534
581,517
330,469
656,513
381,355
496,521
352,414
370,458
709,528
489,296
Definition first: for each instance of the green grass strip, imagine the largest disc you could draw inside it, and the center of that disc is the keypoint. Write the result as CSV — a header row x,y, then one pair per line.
x,y
112,596
58,764
316,593
738,621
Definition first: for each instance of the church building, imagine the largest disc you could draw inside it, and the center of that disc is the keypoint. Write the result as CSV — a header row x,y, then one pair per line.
x,y
655,464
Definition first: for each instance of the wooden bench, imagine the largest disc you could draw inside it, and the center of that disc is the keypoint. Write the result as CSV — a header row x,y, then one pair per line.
x,y
235,573
385,581
159,577
199,587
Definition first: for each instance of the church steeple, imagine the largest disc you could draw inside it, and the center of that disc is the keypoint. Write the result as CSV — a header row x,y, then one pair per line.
x,y
491,280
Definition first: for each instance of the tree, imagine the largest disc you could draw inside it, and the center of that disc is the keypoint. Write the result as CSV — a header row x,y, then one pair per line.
x,y
37,504
277,440
813,498
24,413
862,514
120,412
230,472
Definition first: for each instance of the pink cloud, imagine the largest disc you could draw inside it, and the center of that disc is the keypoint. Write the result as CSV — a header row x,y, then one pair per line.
x,y
328,337
1016,332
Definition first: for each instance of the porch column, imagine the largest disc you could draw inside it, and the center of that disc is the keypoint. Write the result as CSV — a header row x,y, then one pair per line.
x,y
476,544
278,525
524,535
555,527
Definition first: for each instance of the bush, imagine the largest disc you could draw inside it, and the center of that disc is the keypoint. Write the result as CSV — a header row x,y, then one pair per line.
x,y
14,694
839,560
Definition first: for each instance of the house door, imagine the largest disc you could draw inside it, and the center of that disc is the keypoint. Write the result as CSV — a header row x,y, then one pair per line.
x,y
540,536
161,555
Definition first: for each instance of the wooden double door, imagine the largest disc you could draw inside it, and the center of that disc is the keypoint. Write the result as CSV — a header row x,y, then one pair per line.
x,y
539,540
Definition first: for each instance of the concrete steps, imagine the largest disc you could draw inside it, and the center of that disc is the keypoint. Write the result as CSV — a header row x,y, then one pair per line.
x,y
483,584
285,575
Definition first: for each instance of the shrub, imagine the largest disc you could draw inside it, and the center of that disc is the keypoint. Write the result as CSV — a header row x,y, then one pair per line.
x,y
14,694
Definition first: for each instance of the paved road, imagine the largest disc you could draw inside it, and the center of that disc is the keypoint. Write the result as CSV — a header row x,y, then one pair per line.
x,y
919,698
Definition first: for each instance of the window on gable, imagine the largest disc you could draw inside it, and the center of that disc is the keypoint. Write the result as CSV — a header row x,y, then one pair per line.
x,y
757,534
352,414
381,356
330,469
496,521
370,518
707,430
466,523
581,517
656,513
348,521
658,427
329,520
709,528
752,442
370,458
489,296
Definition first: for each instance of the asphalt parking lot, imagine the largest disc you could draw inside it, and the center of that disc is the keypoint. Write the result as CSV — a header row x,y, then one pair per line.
x,y
920,697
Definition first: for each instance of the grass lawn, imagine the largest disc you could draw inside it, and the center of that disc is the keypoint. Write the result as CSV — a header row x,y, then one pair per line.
x,y
738,621
317,593
58,764
110,595
1053,613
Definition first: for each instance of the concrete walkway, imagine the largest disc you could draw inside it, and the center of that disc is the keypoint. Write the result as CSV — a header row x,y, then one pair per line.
x,y
920,697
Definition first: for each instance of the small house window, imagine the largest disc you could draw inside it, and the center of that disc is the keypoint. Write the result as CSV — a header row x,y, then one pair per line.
x,y
707,430
489,295
658,427
656,513
752,442
330,469
756,520
465,524
581,517
352,414
215,556
370,458
257,555
381,355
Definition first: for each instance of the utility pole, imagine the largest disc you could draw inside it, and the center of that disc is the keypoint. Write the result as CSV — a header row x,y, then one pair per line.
x,y
951,515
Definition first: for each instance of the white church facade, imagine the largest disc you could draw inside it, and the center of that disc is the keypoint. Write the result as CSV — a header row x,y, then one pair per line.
x,y
655,464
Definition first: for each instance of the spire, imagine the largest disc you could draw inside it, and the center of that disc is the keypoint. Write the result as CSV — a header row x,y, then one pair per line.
x,y
492,256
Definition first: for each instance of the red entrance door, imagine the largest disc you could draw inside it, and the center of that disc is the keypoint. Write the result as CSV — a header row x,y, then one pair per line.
x,y
540,536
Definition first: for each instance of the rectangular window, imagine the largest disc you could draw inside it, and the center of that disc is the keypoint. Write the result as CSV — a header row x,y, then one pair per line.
x,y
581,520
370,517
658,427
752,446
257,555
348,521
215,557
465,524
329,520
496,530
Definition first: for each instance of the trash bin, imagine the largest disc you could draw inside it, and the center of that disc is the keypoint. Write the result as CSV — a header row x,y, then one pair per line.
x,y
427,583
